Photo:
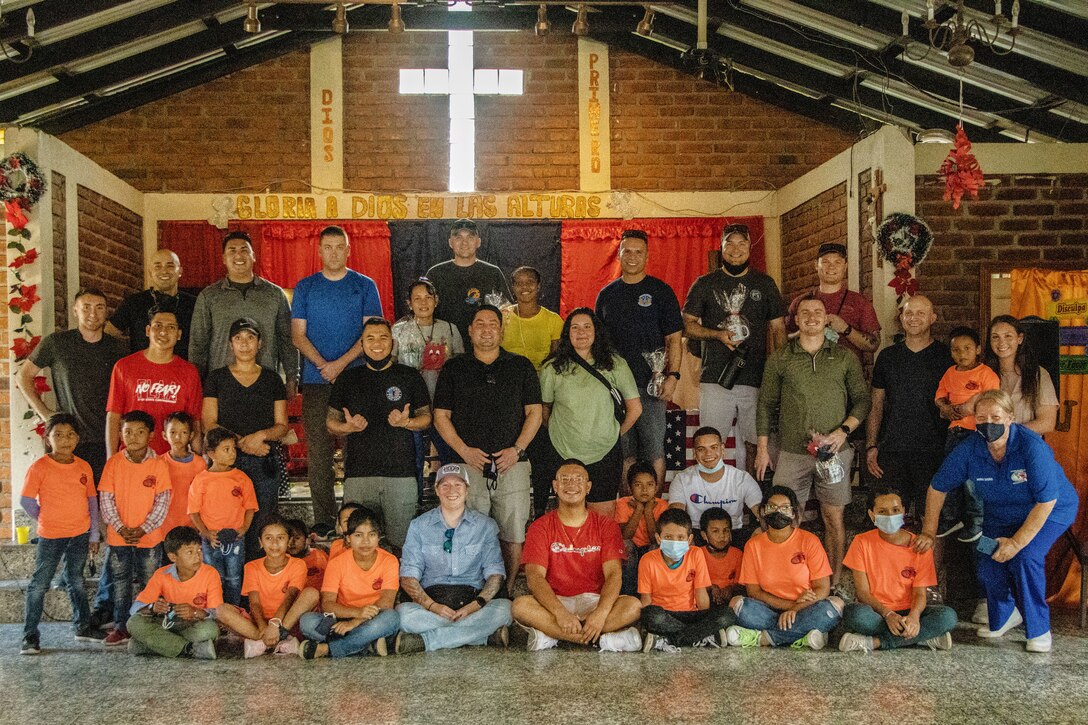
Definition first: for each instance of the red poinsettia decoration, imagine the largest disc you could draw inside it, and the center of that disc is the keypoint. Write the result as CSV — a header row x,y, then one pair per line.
x,y
903,282
960,169
28,299
15,214
22,347
41,385
40,429
29,258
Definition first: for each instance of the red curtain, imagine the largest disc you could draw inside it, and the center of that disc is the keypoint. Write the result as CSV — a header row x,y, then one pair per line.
x,y
678,253
286,251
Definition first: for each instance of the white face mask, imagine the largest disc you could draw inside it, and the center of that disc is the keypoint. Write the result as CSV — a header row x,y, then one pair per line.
x,y
889,524
703,469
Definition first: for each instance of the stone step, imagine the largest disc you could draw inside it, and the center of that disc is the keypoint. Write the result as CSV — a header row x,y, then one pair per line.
x,y
17,561
57,606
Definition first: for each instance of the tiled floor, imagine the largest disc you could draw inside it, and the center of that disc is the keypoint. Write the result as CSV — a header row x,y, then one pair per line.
x,y
976,682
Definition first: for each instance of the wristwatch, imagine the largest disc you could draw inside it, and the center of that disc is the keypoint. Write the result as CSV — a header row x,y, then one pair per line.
x,y
673,374
845,429
520,451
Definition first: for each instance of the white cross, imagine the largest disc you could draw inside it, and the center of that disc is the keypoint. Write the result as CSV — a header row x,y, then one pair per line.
x,y
462,83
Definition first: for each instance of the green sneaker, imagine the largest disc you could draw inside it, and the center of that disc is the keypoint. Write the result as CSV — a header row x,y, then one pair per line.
x,y
815,640
742,637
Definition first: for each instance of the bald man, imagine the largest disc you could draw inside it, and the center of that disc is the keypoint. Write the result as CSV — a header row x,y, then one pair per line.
x,y
904,432
130,319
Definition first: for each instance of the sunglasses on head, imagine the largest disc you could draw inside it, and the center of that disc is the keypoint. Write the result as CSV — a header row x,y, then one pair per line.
x,y
742,228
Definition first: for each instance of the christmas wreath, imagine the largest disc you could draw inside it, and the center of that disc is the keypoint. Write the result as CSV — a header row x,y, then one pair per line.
x,y
904,241
21,182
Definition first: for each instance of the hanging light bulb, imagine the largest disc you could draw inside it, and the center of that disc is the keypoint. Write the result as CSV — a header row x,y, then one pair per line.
x,y
543,27
340,22
396,25
581,23
252,23
646,25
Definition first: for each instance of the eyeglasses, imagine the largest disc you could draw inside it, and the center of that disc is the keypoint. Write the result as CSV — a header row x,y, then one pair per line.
x,y
785,508
574,478
447,545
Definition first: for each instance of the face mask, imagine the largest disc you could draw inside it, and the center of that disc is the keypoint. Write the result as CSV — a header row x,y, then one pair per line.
x,y
377,364
716,550
778,520
889,524
715,469
674,550
991,431
735,269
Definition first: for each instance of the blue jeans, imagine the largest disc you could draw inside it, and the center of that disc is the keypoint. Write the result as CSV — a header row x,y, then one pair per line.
x,y
50,551
754,614
105,582
262,470
385,624
229,560
440,633
863,619
132,568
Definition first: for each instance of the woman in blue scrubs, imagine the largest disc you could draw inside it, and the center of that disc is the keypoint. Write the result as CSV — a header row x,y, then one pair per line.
x,y
1027,504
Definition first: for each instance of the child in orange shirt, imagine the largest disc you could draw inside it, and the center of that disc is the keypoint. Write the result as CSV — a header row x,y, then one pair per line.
x,y
637,516
298,546
221,505
357,596
272,584
891,580
673,582
58,492
184,465
134,496
956,393
340,544
722,560
172,616
788,578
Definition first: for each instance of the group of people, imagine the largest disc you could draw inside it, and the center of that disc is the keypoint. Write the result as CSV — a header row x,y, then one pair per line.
x,y
174,450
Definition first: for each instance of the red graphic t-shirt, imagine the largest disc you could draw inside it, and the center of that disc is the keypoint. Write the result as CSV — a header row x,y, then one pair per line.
x,y
574,558
158,389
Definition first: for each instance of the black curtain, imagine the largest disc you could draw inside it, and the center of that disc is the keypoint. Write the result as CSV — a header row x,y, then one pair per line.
x,y
418,245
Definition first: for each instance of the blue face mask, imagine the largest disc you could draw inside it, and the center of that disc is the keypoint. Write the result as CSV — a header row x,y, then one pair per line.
x,y
889,524
674,550
715,469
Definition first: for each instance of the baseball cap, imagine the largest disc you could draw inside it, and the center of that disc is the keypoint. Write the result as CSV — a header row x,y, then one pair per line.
x,y
464,224
832,248
244,323
451,469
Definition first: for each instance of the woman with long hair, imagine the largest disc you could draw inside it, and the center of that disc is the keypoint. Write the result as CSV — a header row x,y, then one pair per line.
x,y
1034,399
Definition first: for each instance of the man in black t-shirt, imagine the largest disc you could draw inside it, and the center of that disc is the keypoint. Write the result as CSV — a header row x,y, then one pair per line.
x,y
130,319
735,314
377,406
904,432
466,282
487,407
642,315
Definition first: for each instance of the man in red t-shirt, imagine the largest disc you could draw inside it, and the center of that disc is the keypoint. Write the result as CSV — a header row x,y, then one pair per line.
x,y
156,381
573,565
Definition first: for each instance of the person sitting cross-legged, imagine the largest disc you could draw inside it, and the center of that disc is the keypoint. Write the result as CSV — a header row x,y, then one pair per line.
x,y
452,569
573,559
890,579
788,578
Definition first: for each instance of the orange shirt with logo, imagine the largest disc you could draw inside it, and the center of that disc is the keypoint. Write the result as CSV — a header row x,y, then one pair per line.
x,y
355,586
316,560
724,570
893,571
204,589
959,386
62,490
222,498
625,508
784,570
272,588
182,474
673,589
134,487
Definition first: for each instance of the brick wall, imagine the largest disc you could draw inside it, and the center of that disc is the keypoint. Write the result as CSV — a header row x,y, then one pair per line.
x,y
804,228
1028,221
111,252
5,408
865,255
60,254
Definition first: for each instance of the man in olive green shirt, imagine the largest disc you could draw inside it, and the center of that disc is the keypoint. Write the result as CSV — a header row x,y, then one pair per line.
x,y
816,387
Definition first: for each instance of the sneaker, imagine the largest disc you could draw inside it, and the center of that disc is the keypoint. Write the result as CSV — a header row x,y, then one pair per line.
x,y
715,640
307,649
743,637
814,640
117,636
89,634
381,648
626,640
287,646
203,650
408,643
851,642
663,645
500,637
950,530
943,642
31,645
136,647
253,648
538,640
1042,643
648,642
982,613
1014,620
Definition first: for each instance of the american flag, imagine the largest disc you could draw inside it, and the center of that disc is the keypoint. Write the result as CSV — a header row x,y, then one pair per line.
x,y
680,426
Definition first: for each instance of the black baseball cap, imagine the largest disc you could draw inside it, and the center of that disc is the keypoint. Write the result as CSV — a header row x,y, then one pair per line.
x,y
832,248
242,324
464,224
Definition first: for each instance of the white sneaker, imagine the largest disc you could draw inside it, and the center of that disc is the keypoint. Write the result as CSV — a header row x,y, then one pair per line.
x,y
982,613
1014,620
714,640
1042,643
662,645
253,648
204,650
287,646
852,642
626,640
538,640
943,642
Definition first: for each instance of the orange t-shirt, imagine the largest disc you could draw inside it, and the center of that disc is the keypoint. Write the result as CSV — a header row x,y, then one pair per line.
x,y
673,589
724,570
134,487
626,506
272,588
316,560
222,498
336,548
893,571
960,386
355,586
787,569
182,474
62,490
204,589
